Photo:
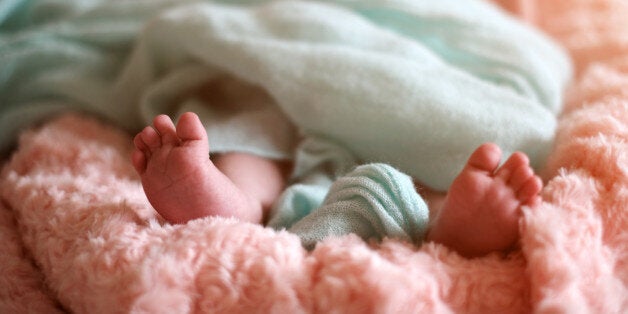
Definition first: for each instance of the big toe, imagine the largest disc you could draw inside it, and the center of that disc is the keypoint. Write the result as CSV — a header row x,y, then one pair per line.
x,y
486,157
190,128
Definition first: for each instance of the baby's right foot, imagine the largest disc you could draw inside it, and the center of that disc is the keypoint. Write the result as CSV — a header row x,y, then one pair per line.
x,y
482,208
179,179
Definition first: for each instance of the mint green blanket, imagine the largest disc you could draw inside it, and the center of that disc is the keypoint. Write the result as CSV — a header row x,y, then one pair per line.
x,y
414,84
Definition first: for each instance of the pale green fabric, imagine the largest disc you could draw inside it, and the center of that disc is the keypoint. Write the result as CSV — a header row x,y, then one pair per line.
x,y
416,84
333,196
374,201
318,162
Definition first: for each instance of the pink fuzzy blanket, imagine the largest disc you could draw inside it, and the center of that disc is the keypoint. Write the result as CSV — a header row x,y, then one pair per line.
x,y
78,235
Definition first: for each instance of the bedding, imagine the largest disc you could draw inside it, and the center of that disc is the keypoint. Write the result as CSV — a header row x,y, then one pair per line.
x,y
242,68
324,65
81,237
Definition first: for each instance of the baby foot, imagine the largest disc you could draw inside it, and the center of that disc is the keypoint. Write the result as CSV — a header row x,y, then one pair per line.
x,y
177,176
482,208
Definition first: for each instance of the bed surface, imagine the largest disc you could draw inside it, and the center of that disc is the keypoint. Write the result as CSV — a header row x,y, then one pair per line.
x,y
79,235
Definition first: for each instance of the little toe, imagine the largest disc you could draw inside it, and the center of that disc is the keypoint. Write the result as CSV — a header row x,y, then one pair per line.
x,y
163,124
138,158
515,161
530,190
151,138
190,128
520,176
486,157
139,143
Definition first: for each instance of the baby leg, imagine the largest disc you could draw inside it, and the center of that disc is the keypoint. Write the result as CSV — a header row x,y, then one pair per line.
x,y
262,179
182,183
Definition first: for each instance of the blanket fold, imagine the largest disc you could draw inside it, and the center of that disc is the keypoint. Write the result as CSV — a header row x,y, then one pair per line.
x,y
374,201
317,163
331,195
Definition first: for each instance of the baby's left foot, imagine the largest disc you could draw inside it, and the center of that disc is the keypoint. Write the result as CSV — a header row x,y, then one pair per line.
x,y
482,208
179,179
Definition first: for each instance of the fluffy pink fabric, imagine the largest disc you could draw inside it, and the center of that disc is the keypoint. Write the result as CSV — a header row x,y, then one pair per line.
x,y
97,243
576,244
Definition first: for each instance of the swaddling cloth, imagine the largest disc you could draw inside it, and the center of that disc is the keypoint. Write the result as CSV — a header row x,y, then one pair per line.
x,y
333,197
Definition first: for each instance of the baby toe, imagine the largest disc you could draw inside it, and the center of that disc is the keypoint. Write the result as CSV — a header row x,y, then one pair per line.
x,y
486,157
138,142
508,169
163,124
520,176
190,128
530,190
138,159
151,138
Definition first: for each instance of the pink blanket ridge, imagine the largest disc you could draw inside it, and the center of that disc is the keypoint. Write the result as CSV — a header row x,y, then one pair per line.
x,y
80,236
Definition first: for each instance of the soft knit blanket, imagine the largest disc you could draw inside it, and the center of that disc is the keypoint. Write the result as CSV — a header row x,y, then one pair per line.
x,y
417,84
74,206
